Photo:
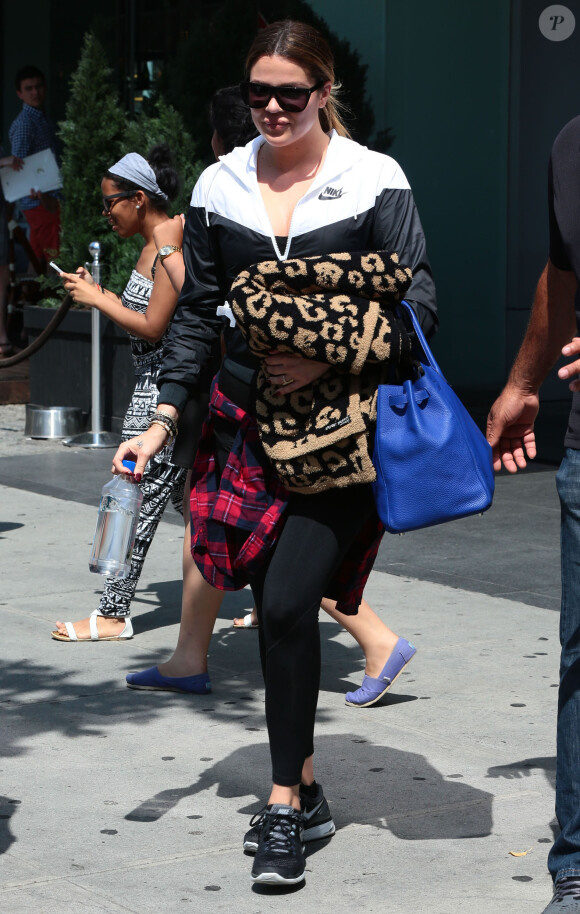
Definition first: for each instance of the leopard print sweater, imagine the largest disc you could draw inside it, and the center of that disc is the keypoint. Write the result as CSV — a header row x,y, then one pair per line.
x,y
336,309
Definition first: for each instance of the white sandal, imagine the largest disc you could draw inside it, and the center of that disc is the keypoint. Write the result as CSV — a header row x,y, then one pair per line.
x,y
71,635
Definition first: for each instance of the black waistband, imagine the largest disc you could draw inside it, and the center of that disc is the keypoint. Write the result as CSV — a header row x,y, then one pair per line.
x,y
238,383
241,372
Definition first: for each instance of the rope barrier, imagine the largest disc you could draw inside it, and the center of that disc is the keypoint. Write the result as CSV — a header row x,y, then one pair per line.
x,y
41,338
15,233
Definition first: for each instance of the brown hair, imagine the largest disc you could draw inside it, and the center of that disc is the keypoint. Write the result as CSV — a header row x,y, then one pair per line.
x,y
304,45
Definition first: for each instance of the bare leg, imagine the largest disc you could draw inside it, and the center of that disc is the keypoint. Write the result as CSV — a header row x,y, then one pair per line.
x,y
374,637
308,771
290,796
200,606
287,796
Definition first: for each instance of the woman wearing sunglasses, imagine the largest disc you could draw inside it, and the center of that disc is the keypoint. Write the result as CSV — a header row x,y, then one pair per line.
x,y
301,189
136,194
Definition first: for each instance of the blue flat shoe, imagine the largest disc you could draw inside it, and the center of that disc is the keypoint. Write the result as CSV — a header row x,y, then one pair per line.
x,y
373,689
153,681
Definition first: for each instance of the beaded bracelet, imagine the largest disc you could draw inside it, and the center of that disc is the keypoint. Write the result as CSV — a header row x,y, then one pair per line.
x,y
165,420
163,426
166,417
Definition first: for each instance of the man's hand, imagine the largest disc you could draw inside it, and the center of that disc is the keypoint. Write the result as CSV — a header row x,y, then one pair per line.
x,y
510,429
14,162
50,203
573,368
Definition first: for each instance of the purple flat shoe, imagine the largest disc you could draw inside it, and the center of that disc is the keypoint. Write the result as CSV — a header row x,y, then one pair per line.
x,y
373,689
153,681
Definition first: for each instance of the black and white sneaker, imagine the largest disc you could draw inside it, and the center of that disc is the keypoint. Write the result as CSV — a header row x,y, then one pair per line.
x,y
566,898
318,822
279,856
317,819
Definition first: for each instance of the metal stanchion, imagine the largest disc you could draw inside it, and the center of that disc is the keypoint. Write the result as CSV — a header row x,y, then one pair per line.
x,y
97,437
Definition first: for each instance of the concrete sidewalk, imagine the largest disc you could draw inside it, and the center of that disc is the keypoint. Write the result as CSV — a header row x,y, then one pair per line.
x,y
123,801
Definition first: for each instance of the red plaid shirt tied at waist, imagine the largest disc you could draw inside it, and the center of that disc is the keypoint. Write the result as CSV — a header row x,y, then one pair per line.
x,y
246,498
249,499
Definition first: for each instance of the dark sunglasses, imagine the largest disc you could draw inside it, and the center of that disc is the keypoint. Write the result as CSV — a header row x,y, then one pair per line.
x,y
289,98
108,206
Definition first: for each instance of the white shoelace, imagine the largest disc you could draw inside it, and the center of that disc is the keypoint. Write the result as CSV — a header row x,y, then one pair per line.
x,y
566,887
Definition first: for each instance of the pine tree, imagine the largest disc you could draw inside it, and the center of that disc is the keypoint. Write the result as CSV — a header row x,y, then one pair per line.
x,y
163,124
91,136
95,134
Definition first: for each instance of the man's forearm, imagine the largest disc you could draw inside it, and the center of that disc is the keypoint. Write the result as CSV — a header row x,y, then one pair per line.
x,y
552,325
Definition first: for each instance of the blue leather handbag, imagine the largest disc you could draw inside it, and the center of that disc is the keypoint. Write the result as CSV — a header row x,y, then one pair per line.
x,y
433,464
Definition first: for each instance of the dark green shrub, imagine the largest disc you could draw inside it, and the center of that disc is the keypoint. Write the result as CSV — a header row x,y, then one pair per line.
x,y
165,125
91,136
95,134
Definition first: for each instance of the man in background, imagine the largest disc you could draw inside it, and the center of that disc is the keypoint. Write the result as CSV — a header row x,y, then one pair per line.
x,y
6,348
553,330
32,131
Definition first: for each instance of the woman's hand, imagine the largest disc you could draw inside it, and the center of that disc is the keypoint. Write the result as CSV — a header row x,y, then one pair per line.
x,y
84,274
81,289
140,449
289,372
169,232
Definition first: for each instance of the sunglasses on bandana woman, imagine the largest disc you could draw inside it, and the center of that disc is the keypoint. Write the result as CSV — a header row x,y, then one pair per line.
x,y
289,98
108,203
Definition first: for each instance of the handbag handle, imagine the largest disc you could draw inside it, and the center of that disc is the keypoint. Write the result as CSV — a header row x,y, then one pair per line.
x,y
429,357
419,394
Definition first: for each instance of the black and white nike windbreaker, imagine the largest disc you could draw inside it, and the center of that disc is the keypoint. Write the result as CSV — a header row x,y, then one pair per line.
x,y
360,201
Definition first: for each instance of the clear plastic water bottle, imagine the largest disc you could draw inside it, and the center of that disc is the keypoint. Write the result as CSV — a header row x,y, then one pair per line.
x,y
116,526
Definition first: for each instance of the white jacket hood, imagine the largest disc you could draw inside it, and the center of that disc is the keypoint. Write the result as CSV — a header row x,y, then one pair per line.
x,y
347,185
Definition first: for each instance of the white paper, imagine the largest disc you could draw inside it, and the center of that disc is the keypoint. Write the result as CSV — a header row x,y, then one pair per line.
x,y
39,171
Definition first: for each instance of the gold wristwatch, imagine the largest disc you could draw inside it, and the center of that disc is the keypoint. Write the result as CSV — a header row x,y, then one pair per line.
x,y
167,250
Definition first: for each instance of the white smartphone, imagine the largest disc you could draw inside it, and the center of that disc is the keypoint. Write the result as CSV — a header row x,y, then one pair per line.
x,y
55,267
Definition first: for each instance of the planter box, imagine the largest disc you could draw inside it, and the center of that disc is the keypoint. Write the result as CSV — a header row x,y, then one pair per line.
x,y
60,372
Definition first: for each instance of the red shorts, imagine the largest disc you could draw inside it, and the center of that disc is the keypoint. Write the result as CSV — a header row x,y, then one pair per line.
x,y
44,231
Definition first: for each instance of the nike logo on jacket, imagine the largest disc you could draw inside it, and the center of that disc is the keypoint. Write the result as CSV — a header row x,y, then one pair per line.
x,y
331,193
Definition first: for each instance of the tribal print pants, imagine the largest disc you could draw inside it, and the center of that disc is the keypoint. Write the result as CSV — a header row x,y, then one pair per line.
x,y
161,481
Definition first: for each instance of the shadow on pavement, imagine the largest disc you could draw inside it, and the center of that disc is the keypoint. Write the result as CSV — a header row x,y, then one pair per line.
x,y
39,698
7,809
7,527
523,769
369,784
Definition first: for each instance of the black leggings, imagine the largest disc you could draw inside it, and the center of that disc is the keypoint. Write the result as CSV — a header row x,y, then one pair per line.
x,y
317,534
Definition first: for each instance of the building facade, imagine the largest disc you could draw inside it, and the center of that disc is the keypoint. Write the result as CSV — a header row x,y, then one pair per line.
x,y
474,94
